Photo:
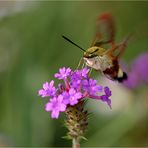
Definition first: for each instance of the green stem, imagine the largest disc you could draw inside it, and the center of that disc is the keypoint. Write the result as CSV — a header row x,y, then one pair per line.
x,y
75,143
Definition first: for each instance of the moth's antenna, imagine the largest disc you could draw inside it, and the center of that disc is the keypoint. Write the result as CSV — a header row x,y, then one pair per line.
x,y
73,43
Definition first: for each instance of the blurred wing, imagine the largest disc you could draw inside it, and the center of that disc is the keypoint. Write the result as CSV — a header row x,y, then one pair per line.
x,y
105,30
138,33
118,50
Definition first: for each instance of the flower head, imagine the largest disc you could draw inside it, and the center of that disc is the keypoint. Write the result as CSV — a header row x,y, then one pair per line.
x,y
77,86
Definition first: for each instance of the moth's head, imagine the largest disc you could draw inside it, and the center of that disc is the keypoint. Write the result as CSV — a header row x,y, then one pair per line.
x,y
92,52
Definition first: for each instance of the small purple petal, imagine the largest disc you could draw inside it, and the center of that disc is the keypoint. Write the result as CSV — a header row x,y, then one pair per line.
x,y
55,114
78,95
60,98
84,72
62,70
41,92
72,91
107,91
65,97
57,75
45,86
48,107
62,107
73,102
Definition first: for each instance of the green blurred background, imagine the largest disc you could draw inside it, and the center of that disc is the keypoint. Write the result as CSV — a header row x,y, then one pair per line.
x,y
32,50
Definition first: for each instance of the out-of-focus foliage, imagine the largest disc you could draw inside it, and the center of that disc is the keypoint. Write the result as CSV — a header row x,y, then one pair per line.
x,y
32,50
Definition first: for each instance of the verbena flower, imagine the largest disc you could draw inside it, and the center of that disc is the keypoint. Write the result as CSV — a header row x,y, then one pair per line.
x,y
76,86
56,105
63,73
48,90
91,86
72,96
105,97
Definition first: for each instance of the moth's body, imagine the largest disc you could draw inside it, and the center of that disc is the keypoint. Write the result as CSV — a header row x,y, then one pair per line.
x,y
101,60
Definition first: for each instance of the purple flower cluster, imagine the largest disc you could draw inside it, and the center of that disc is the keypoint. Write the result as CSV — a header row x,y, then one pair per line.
x,y
138,72
76,86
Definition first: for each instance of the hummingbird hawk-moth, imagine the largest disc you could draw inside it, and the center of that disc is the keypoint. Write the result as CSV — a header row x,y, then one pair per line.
x,y
101,58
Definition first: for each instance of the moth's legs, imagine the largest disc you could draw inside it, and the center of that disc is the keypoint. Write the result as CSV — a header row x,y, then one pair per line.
x,y
80,63
90,71
84,64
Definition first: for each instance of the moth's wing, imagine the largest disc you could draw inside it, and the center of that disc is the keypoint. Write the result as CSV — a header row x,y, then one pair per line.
x,y
118,50
138,33
105,30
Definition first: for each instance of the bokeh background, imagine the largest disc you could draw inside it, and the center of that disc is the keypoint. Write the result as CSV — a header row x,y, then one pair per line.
x,y
32,50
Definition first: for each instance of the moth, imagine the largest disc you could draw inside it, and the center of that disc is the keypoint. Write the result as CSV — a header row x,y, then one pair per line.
x,y
104,54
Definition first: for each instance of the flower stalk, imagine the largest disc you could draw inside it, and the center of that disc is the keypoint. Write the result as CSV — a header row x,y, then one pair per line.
x,y
76,122
75,143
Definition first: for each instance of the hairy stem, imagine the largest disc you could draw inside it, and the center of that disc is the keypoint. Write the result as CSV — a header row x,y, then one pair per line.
x,y
75,143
